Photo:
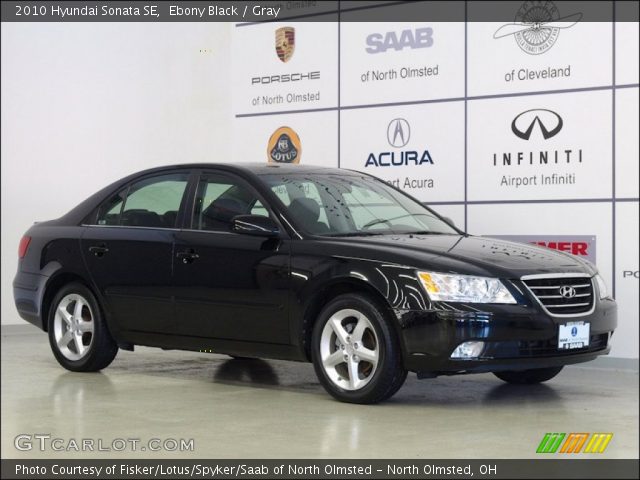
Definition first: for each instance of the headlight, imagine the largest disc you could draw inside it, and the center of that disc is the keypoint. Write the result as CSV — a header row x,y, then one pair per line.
x,y
602,287
443,287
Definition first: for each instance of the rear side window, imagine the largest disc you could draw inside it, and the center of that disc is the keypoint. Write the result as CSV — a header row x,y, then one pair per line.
x,y
152,202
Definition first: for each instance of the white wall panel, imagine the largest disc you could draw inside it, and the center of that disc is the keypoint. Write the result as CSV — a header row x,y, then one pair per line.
x,y
627,40
317,132
398,62
429,166
568,58
261,82
625,343
505,166
627,150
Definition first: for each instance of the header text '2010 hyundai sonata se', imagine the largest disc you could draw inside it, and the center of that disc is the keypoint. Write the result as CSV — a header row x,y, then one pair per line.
x,y
304,263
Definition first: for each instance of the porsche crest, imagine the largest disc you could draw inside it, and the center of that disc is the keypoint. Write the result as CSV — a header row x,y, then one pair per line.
x,y
285,43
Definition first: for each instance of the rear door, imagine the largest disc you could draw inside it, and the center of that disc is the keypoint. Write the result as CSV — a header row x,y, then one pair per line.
x,y
129,249
229,285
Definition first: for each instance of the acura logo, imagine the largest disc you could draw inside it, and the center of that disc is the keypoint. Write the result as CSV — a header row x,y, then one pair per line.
x,y
567,291
549,123
398,132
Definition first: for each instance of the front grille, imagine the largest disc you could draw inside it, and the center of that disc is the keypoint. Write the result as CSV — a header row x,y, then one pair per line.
x,y
541,348
577,298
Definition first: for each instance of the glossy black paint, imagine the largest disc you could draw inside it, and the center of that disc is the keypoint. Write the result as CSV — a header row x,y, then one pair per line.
x,y
258,295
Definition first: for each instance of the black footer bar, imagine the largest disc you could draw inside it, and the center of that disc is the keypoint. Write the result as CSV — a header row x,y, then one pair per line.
x,y
544,468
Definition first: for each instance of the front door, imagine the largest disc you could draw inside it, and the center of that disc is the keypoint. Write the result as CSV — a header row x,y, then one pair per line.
x,y
227,285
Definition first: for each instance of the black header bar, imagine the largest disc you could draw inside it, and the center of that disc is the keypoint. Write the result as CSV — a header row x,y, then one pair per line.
x,y
248,12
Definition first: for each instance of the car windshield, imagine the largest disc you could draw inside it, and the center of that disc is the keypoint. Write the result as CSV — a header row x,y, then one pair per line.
x,y
352,205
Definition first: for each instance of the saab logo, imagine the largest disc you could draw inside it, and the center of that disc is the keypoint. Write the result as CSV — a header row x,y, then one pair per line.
x,y
285,43
549,123
418,38
537,26
398,135
574,442
284,146
398,132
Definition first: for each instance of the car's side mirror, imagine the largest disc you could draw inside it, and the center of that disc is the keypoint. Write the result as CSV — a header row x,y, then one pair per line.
x,y
257,225
449,221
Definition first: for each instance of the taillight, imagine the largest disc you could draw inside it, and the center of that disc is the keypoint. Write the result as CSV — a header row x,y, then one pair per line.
x,y
24,245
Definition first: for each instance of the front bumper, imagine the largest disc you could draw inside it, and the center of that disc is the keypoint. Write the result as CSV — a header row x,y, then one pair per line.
x,y
517,337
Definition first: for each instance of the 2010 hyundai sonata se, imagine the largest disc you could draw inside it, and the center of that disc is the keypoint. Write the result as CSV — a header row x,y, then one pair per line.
x,y
309,264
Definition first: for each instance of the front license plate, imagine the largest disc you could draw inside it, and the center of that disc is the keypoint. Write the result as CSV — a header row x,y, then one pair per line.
x,y
573,335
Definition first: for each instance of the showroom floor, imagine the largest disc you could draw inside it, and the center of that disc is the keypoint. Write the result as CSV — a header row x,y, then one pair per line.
x,y
262,409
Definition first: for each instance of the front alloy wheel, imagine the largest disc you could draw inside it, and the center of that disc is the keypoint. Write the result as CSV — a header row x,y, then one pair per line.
x,y
355,351
349,349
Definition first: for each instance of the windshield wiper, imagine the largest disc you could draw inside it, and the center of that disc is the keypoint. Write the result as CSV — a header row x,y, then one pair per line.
x,y
425,232
353,234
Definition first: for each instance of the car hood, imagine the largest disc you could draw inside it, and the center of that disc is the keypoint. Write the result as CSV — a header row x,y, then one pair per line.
x,y
472,255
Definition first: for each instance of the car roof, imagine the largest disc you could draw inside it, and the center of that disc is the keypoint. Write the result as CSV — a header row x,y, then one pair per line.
x,y
257,168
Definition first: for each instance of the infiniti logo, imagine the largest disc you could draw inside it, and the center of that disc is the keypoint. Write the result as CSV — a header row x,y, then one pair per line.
x,y
567,291
398,132
549,123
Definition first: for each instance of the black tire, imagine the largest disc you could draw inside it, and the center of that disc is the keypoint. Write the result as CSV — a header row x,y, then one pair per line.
x,y
529,377
102,349
389,374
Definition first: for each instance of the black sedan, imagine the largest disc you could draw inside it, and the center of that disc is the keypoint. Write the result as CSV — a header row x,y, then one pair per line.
x,y
303,263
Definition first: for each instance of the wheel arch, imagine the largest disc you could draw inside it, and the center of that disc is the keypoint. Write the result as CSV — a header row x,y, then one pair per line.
x,y
331,290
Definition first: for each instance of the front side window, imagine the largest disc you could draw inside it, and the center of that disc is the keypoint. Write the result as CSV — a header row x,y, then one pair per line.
x,y
219,199
152,202
109,212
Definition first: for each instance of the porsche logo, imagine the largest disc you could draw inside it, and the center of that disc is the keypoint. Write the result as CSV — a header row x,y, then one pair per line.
x,y
285,43
284,146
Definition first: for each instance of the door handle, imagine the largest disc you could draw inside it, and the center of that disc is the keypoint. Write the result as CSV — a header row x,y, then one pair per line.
x,y
98,250
187,256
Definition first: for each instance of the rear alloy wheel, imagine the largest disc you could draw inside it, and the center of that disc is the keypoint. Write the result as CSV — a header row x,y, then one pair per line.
x,y
78,336
355,352
529,377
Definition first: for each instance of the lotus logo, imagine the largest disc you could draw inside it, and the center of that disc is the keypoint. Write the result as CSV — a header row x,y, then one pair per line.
x,y
284,146
567,292
549,123
398,132
537,26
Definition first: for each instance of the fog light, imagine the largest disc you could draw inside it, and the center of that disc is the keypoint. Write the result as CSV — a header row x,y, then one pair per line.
x,y
468,350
